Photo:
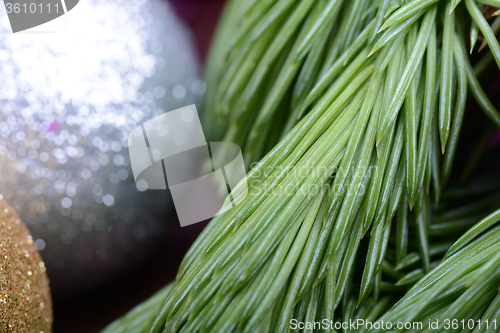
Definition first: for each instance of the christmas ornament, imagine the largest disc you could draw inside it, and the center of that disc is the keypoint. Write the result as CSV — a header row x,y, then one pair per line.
x,y
25,304
69,101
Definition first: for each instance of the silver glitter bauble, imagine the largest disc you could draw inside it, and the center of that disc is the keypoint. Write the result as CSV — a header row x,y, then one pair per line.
x,y
69,100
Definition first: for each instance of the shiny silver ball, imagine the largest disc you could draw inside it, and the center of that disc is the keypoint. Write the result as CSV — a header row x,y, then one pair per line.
x,y
72,91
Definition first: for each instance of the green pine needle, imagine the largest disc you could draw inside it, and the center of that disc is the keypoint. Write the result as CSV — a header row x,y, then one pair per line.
x,y
350,114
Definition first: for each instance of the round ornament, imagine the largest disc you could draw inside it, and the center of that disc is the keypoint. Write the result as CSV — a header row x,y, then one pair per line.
x,y
72,91
25,303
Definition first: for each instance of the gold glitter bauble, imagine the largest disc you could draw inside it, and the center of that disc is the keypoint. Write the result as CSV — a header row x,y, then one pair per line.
x,y
25,303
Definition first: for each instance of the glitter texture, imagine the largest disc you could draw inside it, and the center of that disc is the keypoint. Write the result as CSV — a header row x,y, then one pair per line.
x,y
68,103
25,304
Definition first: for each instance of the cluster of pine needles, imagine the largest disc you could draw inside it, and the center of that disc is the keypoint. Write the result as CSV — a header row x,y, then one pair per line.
x,y
349,113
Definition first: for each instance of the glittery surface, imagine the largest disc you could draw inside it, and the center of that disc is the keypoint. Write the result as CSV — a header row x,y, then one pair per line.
x,y
25,304
68,103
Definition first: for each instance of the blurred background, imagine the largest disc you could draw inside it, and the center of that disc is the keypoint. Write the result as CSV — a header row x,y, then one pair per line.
x,y
90,310
74,88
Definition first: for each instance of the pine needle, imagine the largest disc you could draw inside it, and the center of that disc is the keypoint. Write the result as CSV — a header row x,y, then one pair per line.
x,y
344,109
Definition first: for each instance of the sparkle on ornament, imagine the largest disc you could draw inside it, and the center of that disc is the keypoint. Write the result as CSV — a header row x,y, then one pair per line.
x,y
25,305
69,101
